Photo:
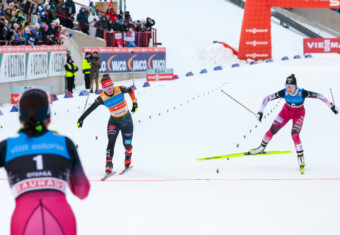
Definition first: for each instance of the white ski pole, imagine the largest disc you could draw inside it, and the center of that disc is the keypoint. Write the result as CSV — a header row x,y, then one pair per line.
x,y
332,96
88,95
239,103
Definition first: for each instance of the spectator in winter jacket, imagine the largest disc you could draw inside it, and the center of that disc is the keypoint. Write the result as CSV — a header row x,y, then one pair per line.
x,y
53,32
2,31
93,18
149,23
27,35
101,25
127,15
69,19
109,25
111,14
92,6
8,14
70,3
116,26
61,11
45,36
82,18
125,26
95,66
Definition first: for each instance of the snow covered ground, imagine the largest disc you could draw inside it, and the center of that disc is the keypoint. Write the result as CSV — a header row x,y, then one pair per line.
x,y
169,191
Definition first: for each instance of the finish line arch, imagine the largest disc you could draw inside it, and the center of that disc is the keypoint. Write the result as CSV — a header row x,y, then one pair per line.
x,y
255,40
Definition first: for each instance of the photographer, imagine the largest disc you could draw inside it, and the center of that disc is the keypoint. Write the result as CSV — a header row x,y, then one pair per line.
x,y
95,66
149,23
86,67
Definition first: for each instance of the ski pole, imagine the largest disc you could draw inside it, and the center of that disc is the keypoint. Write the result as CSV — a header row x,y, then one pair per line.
x,y
332,96
239,103
133,69
88,95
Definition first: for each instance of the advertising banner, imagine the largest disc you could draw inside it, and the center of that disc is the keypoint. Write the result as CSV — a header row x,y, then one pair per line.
x,y
13,67
159,74
24,62
57,61
125,60
37,65
16,91
321,45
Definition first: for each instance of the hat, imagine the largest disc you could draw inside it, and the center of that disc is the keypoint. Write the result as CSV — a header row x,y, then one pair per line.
x,y
291,80
107,83
53,23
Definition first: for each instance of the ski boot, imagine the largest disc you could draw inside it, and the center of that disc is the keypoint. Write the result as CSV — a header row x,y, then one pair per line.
x,y
258,150
108,168
302,164
109,165
127,159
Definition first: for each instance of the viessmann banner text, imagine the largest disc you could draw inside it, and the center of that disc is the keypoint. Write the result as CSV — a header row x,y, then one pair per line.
x,y
125,60
321,45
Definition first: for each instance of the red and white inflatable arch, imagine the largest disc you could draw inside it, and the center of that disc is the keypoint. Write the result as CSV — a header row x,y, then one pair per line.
x,y
255,40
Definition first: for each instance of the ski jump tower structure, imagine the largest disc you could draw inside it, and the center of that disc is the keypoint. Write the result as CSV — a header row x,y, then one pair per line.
x,y
255,40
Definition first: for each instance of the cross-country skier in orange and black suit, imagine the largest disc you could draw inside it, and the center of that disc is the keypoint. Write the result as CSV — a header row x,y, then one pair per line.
x,y
120,119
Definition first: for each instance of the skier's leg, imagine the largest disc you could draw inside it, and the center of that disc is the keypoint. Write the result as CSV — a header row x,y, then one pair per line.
x,y
296,129
127,133
112,133
280,121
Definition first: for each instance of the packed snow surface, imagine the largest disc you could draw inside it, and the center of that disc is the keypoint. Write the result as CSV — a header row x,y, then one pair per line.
x,y
169,191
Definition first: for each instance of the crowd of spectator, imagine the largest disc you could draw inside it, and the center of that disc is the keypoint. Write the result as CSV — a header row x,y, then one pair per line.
x,y
23,22
90,23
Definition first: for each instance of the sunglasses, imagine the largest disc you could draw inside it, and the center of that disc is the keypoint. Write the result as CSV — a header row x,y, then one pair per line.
x,y
108,88
290,86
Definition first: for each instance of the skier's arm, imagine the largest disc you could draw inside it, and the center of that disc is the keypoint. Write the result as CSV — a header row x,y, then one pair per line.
x,y
315,95
95,105
3,148
132,96
78,182
130,91
267,99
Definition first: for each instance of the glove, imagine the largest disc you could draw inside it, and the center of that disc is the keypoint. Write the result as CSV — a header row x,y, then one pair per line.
x,y
80,123
334,109
259,116
134,107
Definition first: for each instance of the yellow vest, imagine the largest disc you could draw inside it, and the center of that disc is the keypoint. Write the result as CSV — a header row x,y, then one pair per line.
x,y
68,73
86,66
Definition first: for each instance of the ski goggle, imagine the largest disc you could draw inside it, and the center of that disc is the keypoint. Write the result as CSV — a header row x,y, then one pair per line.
x,y
108,88
290,86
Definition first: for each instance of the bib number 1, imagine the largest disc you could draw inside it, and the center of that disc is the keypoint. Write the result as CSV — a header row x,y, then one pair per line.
x,y
39,162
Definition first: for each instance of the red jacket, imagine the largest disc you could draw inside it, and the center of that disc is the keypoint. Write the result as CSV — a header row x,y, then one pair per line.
x,y
112,14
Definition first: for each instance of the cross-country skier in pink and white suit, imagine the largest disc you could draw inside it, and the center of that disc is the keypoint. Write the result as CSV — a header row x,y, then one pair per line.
x,y
292,110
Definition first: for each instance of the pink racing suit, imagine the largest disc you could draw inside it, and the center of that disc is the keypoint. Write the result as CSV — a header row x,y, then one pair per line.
x,y
292,110
39,169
